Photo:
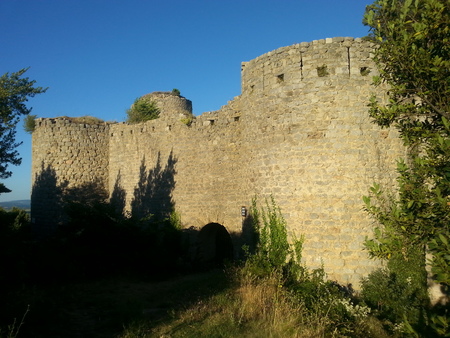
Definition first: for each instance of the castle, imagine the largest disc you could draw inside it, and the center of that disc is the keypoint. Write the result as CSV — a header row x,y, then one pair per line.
x,y
299,131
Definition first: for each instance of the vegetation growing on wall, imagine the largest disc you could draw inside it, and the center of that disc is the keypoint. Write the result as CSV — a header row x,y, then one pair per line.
x,y
143,109
322,71
86,119
413,56
29,123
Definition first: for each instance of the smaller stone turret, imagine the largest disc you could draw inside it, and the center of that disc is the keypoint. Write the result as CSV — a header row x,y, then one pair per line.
x,y
171,105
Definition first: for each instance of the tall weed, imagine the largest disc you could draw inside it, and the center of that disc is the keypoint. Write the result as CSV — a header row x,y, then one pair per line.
x,y
274,252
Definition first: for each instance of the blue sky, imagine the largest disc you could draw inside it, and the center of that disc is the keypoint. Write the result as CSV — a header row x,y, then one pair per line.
x,y
97,56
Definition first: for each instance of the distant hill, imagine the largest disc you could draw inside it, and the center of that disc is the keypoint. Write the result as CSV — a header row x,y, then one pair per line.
x,y
22,204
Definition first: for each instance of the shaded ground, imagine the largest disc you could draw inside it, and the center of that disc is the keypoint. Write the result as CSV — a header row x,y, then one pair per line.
x,y
103,308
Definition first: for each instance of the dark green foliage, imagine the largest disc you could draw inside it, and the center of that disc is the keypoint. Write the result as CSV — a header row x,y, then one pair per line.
x,y
273,252
98,241
322,71
143,109
413,57
15,252
399,291
15,91
4,189
29,123
413,38
176,92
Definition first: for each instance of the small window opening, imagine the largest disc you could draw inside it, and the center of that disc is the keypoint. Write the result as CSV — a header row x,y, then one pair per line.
x,y
211,122
280,78
364,71
236,118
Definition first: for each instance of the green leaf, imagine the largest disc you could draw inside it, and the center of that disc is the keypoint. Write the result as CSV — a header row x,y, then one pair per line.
x,y
443,239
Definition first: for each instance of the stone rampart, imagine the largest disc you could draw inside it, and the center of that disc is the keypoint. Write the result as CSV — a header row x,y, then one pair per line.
x,y
66,154
300,131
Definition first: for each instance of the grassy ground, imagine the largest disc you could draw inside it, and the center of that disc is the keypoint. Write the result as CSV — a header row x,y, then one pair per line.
x,y
255,307
105,308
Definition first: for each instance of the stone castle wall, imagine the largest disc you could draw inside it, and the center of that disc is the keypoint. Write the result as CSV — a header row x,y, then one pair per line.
x,y
300,131
66,155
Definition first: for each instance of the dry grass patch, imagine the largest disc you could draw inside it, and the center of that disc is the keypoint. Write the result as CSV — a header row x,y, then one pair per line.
x,y
253,308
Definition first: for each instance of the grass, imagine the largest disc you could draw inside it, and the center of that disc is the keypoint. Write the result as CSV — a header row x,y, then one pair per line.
x,y
255,307
249,309
103,308
209,304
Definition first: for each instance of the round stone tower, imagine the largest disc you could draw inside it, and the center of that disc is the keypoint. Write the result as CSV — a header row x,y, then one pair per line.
x,y
171,105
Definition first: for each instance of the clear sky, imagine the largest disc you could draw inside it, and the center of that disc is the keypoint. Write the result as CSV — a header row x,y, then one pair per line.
x,y
97,56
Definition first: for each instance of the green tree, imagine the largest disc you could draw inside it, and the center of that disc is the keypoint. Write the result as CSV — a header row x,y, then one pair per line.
x,y
143,109
15,90
413,56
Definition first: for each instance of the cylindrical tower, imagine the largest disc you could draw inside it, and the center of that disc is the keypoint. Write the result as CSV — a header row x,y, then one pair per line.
x,y
171,105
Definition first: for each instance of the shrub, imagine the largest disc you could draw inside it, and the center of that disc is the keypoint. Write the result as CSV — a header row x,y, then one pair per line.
x,y
88,119
143,109
187,120
176,92
273,252
322,71
29,123
398,293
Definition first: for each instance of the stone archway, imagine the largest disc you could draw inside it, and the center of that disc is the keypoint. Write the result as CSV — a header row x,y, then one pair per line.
x,y
214,245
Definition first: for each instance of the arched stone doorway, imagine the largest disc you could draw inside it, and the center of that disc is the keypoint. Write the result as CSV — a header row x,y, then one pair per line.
x,y
214,245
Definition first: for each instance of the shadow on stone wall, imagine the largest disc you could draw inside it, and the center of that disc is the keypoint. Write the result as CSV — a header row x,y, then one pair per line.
x,y
86,215
82,233
47,201
247,238
153,193
53,201
118,196
55,204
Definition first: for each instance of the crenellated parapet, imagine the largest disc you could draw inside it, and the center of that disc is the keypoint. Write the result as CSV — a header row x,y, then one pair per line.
x,y
294,67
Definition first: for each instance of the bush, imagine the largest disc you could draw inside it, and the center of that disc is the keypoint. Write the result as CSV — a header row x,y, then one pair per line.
x,y
15,246
187,120
29,123
143,109
99,241
277,258
273,250
398,293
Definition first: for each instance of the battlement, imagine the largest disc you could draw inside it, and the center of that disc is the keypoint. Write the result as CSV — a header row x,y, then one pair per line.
x,y
296,66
